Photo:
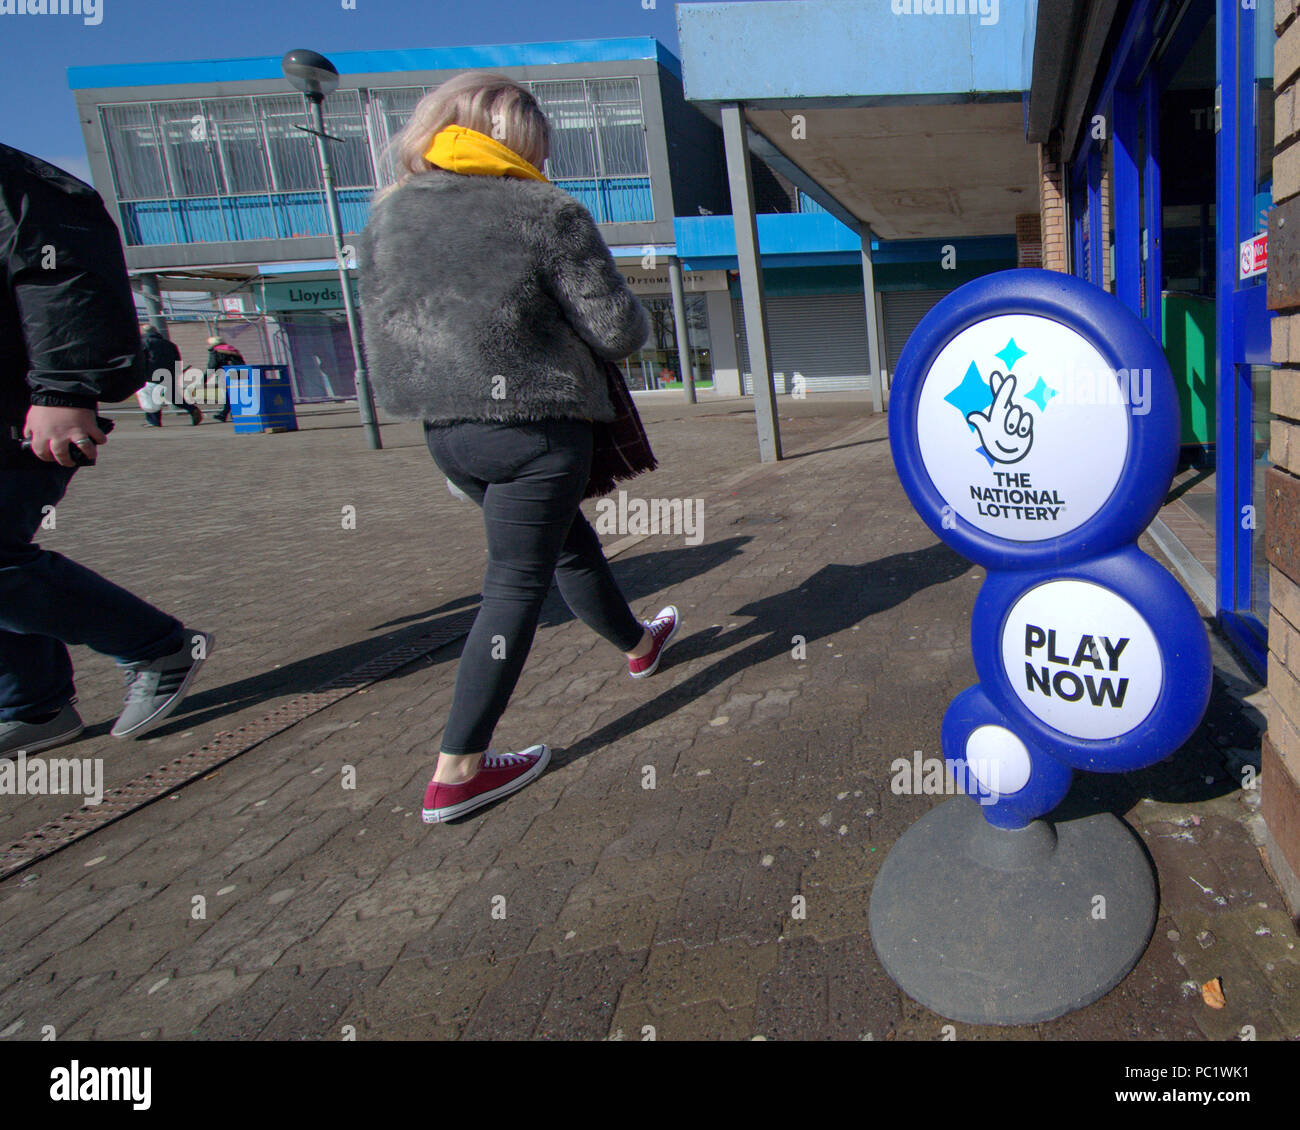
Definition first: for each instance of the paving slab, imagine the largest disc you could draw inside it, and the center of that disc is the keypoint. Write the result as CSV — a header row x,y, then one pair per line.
x,y
696,863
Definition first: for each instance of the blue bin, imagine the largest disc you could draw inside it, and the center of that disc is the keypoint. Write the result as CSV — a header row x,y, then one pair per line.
x,y
260,399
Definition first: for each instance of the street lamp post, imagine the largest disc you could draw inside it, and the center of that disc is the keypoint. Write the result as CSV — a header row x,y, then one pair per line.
x,y
315,76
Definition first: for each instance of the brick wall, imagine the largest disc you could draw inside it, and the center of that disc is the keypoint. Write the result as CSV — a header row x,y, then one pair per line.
x,y
1280,771
1029,240
1051,205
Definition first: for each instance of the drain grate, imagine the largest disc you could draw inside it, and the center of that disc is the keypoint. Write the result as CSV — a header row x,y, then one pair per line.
x,y
226,746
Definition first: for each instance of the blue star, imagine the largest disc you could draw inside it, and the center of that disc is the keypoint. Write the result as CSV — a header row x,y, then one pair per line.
x,y
1011,354
1040,394
972,395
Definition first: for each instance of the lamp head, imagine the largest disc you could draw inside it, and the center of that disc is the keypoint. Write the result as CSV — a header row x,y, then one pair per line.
x,y
310,72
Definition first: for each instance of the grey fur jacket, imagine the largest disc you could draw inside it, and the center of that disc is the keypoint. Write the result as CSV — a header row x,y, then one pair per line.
x,y
484,298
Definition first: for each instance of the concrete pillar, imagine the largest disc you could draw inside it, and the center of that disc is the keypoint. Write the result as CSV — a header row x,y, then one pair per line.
x,y
153,302
722,343
741,182
874,350
681,329
885,377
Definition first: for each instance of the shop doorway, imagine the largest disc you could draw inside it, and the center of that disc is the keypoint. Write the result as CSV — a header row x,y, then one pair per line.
x,y
1245,193
320,357
1170,193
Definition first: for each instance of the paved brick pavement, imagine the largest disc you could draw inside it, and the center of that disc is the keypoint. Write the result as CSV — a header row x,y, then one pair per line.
x,y
269,900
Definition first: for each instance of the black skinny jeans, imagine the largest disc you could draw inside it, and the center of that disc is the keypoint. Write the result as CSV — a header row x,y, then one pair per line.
x,y
528,479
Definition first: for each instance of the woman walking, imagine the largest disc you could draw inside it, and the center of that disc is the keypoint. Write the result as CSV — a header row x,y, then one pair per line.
x,y
490,300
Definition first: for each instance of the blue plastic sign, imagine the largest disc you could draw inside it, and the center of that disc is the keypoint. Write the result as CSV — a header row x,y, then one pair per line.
x,y
1034,424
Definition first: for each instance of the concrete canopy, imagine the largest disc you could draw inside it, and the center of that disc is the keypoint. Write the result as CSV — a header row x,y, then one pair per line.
x,y
916,172
909,112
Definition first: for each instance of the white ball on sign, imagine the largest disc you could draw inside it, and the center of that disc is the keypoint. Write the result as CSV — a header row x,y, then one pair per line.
x,y
1082,659
998,760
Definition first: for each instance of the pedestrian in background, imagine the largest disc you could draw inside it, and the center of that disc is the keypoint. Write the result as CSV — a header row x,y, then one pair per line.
x,y
163,363
489,302
221,354
68,340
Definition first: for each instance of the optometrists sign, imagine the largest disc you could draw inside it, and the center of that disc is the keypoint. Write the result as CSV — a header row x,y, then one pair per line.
x,y
1034,425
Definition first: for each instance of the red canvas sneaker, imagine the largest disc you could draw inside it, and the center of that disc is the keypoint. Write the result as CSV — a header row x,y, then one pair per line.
x,y
499,775
662,629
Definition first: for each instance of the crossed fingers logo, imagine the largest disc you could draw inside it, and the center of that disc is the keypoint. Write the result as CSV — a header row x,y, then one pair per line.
x,y
1005,429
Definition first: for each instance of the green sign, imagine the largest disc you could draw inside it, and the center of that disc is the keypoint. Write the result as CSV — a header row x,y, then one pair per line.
x,y
315,294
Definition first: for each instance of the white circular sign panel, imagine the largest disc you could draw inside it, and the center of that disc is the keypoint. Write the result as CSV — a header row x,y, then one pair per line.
x,y
1082,659
1023,427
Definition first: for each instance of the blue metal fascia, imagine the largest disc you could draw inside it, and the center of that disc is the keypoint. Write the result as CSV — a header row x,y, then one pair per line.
x,y
801,234
801,49
183,72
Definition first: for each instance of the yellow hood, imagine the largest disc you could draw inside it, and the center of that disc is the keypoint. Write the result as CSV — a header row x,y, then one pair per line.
x,y
462,150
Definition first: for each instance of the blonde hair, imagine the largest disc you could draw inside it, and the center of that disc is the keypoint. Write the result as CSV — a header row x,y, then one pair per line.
x,y
489,103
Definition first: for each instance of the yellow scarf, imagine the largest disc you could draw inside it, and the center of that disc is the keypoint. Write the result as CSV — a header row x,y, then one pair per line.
x,y
462,150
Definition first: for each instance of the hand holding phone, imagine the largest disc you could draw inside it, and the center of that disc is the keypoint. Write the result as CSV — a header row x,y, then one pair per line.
x,y
76,451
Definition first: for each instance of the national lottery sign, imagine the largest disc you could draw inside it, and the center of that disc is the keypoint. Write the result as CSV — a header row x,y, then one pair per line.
x,y
1034,423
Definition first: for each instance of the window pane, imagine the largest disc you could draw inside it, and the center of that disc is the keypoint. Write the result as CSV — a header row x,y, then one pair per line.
x,y
390,111
132,143
620,127
350,154
294,165
239,140
190,148
572,127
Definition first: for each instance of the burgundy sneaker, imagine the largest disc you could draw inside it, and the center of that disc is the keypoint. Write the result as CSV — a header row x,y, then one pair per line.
x,y
499,775
662,629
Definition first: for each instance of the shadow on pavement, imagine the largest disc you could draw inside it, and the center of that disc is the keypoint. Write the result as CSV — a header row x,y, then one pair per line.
x,y
833,599
837,447
639,577
1210,764
212,704
649,573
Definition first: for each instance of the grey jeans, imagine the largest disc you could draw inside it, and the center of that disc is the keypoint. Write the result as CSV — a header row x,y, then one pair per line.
x,y
529,480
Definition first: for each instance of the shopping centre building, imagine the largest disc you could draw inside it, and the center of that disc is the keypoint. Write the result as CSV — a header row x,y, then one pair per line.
x,y
219,198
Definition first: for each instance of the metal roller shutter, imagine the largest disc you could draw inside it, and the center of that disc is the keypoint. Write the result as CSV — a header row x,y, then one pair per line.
x,y
903,311
191,339
823,337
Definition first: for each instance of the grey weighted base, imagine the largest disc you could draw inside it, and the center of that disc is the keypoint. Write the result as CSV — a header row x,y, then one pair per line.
x,y
988,926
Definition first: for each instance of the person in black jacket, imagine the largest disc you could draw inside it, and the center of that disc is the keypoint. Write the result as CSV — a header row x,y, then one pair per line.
x,y
68,340
163,366
221,354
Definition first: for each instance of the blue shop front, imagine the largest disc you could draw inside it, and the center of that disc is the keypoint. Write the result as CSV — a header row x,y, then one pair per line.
x,y
1164,135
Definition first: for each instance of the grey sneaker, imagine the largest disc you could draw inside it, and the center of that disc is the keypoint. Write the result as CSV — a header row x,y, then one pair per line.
x,y
155,687
32,737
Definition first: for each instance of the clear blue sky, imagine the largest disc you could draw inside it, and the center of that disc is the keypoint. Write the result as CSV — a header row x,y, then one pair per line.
x,y
39,115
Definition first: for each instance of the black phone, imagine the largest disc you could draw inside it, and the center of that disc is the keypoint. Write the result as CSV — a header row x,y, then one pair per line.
x,y
79,457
